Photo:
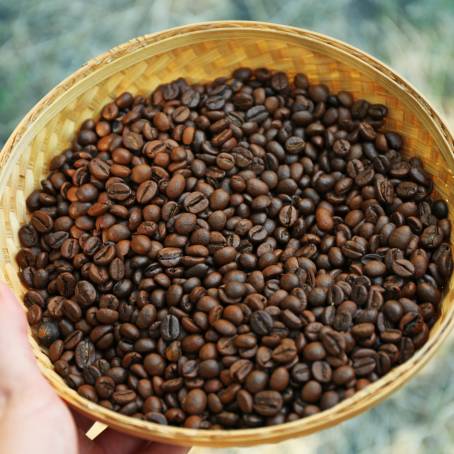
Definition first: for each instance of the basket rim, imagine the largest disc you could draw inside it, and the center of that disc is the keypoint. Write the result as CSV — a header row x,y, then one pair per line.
x,y
347,408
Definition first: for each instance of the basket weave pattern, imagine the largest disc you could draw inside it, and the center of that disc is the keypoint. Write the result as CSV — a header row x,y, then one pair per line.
x,y
200,53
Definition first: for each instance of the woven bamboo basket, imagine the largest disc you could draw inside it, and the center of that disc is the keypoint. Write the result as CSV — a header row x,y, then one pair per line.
x,y
202,52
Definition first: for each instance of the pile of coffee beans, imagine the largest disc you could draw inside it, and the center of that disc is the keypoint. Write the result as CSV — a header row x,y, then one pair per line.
x,y
240,253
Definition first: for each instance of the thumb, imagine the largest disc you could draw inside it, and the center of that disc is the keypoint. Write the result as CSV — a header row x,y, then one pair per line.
x,y
17,363
32,418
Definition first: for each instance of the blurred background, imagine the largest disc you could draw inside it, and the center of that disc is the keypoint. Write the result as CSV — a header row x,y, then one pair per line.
x,y
43,41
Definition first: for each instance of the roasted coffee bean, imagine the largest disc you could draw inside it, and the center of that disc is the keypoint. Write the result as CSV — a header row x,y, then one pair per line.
x,y
403,268
195,402
176,186
72,310
279,379
99,169
42,221
196,202
261,322
324,219
34,314
233,254
105,387
400,237
85,293
343,375
170,256
440,209
185,223
288,216
311,391
124,396
285,352
268,403
375,268
85,354
321,371
104,255
146,191
28,236
118,191
170,328
47,333
333,342
364,363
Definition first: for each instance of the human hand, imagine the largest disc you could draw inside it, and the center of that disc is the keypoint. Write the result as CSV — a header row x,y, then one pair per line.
x,y
32,417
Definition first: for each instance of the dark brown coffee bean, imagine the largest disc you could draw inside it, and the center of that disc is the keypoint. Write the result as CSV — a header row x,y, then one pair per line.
x,y
403,268
393,310
364,365
176,186
324,219
195,202
170,328
146,191
279,379
314,351
34,314
311,391
343,375
85,293
440,209
69,248
28,236
431,237
333,342
195,402
42,221
85,354
261,322
72,310
411,323
99,169
400,237
123,397
105,387
321,371
56,350
288,216
285,352
104,255
268,403
374,268
170,256
48,332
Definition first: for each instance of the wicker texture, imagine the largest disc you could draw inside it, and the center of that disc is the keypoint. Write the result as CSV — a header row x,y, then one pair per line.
x,y
200,53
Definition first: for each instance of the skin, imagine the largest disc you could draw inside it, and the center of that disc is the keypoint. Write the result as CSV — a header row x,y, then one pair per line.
x,y
32,417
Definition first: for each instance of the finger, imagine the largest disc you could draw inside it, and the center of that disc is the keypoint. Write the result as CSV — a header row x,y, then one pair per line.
x,y
32,418
17,362
82,422
87,446
161,448
125,443
110,441
113,442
